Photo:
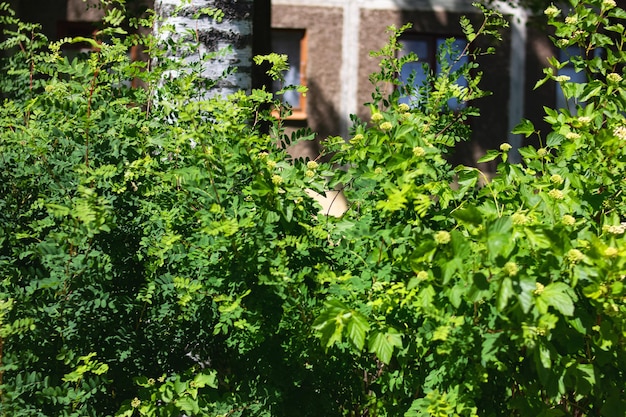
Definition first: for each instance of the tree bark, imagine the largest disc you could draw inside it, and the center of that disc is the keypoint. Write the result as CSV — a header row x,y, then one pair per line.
x,y
235,31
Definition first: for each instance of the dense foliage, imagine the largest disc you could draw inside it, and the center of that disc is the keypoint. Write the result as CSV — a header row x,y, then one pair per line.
x,y
161,256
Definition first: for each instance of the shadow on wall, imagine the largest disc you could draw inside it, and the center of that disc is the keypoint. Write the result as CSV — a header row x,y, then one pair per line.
x,y
83,10
47,13
322,117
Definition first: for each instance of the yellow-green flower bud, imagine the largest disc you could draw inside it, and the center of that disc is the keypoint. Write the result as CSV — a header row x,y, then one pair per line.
x,y
386,126
377,117
556,194
552,11
613,78
505,147
519,219
511,269
614,229
620,132
574,256
608,4
277,179
422,275
419,151
442,237
562,43
556,179
356,139
312,165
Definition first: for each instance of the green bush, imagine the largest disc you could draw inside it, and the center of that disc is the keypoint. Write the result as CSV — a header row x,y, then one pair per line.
x,y
161,256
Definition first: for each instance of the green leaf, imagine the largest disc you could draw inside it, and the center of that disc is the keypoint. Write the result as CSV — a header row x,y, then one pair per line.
x,y
455,295
358,327
58,210
586,376
188,405
179,386
525,127
593,89
528,152
490,347
499,242
618,13
489,156
544,356
554,139
593,291
542,81
559,296
167,393
383,343
504,293
468,214
330,323
396,200
206,379
441,333
537,238
526,286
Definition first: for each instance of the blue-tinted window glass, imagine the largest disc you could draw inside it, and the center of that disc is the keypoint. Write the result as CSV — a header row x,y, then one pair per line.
x,y
426,49
457,47
421,49
289,42
574,77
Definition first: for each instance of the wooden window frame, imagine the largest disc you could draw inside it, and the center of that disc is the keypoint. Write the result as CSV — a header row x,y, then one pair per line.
x,y
299,112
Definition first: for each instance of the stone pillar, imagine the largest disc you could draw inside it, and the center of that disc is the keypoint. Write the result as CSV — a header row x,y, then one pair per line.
x,y
235,31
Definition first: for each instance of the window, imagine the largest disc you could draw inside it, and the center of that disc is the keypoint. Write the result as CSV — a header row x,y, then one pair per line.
x,y
426,48
292,42
574,77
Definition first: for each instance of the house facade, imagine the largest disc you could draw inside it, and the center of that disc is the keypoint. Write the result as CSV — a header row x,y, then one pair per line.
x,y
329,41
335,62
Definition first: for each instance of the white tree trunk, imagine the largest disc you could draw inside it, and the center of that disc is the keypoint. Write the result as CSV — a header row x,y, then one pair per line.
x,y
235,31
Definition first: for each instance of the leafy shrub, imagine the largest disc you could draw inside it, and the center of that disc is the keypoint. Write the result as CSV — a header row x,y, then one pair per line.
x,y
501,300
161,256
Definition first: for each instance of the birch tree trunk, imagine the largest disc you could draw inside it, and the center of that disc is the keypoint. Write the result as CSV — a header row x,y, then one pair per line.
x,y
235,31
